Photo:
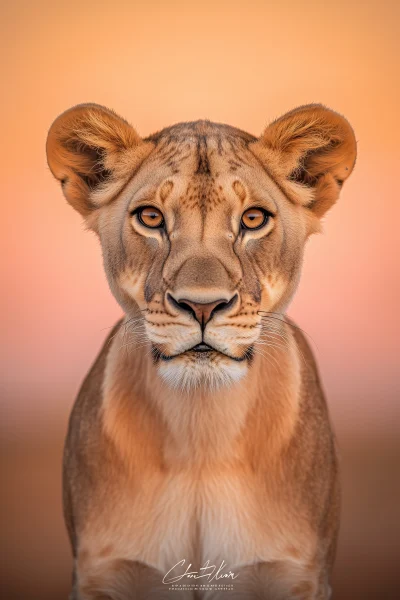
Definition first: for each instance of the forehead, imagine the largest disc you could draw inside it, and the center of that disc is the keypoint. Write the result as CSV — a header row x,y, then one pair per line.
x,y
205,166
201,147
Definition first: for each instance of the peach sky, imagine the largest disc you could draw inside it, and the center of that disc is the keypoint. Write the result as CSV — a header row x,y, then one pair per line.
x,y
157,63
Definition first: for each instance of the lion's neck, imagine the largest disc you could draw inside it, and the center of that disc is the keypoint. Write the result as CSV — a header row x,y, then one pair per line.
x,y
205,425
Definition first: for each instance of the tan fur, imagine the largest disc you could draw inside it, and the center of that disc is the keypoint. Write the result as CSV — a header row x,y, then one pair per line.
x,y
173,454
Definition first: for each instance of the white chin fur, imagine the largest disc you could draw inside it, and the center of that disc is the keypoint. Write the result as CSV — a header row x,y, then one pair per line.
x,y
181,375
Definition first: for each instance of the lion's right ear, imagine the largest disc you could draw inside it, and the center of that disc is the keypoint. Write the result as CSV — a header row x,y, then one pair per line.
x,y
312,151
92,152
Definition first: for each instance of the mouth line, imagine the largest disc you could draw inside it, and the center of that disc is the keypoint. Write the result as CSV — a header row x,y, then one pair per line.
x,y
203,348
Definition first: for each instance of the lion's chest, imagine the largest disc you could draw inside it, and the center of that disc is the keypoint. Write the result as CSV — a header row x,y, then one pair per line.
x,y
216,517
213,518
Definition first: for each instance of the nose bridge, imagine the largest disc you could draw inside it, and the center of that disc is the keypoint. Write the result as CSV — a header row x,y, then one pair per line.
x,y
206,276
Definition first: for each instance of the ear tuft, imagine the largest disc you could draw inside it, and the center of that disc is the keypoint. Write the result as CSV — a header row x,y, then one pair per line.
x,y
89,146
311,146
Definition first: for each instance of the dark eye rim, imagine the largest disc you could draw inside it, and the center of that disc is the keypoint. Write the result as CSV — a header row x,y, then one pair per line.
x,y
138,214
267,216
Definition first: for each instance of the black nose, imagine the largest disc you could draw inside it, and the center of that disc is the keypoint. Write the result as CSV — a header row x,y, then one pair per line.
x,y
202,311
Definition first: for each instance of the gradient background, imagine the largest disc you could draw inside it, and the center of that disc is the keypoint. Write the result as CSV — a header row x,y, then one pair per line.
x,y
157,63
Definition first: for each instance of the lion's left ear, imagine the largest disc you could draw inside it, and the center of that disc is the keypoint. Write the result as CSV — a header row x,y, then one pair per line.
x,y
311,149
92,152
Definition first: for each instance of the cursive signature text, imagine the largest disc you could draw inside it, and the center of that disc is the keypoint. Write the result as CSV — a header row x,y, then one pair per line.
x,y
209,572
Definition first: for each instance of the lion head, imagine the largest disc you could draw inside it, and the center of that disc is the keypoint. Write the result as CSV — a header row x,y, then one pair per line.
x,y
202,226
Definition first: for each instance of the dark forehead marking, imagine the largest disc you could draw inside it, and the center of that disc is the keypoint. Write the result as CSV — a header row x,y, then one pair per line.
x,y
237,151
169,152
203,164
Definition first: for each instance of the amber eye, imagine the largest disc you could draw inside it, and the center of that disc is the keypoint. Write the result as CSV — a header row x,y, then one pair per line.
x,y
150,217
254,218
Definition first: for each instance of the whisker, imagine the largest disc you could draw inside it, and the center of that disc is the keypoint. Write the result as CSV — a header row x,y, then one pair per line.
x,y
142,344
268,314
276,334
125,326
275,345
286,342
266,356
271,341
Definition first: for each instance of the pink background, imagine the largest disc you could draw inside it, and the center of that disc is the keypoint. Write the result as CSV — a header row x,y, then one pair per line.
x,y
157,63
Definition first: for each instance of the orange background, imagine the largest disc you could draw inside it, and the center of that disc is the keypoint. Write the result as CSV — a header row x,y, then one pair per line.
x,y
157,63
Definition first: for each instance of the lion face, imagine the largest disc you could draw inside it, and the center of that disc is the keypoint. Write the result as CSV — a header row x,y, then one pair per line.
x,y
204,244
202,226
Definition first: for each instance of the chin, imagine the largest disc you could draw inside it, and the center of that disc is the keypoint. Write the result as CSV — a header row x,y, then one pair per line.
x,y
191,372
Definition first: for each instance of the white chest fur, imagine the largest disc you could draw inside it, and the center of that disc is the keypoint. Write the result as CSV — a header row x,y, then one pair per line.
x,y
216,516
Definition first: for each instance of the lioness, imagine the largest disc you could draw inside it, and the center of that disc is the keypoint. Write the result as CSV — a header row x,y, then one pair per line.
x,y
199,449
